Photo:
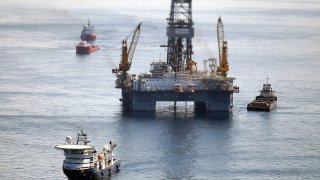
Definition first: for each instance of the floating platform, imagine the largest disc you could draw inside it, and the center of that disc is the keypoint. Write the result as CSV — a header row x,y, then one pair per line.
x,y
178,78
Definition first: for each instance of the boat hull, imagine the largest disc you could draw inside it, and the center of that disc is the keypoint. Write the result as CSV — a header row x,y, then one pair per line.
x,y
262,106
83,50
92,173
79,174
86,50
98,173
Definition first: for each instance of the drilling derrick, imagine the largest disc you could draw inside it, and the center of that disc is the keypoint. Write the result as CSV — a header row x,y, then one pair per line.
x,y
180,33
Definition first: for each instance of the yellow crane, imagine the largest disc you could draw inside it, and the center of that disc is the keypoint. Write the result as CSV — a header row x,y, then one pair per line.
x,y
223,49
123,78
127,55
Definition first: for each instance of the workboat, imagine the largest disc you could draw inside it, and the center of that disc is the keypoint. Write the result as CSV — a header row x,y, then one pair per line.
x,y
86,48
266,101
82,161
88,32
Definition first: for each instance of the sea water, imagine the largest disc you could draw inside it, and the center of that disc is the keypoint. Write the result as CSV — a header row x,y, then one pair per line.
x,y
47,92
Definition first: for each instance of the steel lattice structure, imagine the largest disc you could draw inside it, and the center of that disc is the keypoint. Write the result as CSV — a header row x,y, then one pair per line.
x,y
180,33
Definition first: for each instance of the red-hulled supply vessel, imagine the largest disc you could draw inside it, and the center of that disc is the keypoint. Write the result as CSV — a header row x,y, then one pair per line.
x,y
86,48
88,32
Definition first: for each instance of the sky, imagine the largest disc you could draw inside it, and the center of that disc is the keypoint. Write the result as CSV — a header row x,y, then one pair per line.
x,y
154,4
159,4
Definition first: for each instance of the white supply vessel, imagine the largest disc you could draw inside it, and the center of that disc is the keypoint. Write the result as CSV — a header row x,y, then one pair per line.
x,y
81,159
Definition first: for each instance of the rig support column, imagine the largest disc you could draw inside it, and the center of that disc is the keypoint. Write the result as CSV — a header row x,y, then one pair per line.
x,y
220,102
143,101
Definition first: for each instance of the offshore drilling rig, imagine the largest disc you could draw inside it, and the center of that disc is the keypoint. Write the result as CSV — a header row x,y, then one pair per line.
x,y
177,78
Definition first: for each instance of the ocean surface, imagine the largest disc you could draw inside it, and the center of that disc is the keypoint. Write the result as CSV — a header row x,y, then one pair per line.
x,y
47,92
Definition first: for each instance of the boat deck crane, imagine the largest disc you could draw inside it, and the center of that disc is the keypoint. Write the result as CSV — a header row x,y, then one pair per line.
x,y
223,49
126,59
127,55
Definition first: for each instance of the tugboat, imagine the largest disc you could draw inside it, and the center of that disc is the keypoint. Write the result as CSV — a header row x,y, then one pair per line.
x,y
88,32
86,48
82,162
266,101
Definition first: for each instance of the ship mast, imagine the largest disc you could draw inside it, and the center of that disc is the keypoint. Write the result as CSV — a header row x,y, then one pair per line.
x,y
180,33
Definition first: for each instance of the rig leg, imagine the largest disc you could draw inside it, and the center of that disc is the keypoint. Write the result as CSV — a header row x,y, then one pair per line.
x,y
200,106
220,102
143,102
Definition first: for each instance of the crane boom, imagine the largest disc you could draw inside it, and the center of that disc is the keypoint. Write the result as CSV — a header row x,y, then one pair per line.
x,y
220,35
127,55
223,49
133,44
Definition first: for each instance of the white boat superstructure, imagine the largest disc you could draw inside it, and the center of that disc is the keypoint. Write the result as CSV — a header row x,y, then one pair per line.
x,y
79,156
267,91
81,159
106,163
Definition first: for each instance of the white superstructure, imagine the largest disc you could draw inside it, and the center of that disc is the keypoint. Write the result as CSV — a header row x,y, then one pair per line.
x,y
106,162
78,155
162,78
81,159
267,91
